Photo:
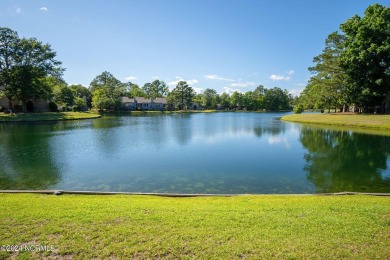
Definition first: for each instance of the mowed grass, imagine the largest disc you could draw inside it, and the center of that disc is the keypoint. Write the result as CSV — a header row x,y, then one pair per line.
x,y
353,120
248,227
47,116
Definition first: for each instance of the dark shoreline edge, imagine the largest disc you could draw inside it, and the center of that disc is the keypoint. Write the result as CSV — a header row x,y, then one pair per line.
x,y
61,192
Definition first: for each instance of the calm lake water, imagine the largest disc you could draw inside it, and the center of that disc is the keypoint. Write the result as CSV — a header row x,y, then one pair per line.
x,y
192,153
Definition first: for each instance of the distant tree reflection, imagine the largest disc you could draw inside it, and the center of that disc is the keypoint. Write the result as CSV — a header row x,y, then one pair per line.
x,y
26,158
272,127
344,161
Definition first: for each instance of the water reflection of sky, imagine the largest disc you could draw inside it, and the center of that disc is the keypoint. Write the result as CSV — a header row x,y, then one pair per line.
x,y
193,153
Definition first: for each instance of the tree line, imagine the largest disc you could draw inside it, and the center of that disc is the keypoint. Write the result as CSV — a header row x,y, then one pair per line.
x,y
354,67
29,72
106,91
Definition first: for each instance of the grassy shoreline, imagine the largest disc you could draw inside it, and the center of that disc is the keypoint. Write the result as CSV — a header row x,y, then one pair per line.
x,y
380,122
267,226
61,116
46,116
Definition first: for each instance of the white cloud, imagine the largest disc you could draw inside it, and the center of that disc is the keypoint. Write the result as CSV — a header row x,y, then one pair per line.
x,y
155,77
279,77
18,10
131,78
230,90
199,90
295,91
173,83
279,140
276,77
216,77
242,84
44,9
235,82
190,82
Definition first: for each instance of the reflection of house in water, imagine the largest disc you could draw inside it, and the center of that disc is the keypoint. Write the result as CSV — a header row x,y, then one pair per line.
x,y
141,103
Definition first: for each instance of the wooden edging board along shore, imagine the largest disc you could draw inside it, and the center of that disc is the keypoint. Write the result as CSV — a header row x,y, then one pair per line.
x,y
60,192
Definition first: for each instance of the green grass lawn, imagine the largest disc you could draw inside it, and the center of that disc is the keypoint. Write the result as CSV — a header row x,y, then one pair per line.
x,y
47,116
353,120
124,227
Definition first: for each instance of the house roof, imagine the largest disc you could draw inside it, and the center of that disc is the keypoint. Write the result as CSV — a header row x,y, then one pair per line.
x,y
160,100
127,100
142,100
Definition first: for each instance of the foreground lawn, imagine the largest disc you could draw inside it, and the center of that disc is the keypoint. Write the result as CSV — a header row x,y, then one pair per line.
x,y
124,227
47,116
368,121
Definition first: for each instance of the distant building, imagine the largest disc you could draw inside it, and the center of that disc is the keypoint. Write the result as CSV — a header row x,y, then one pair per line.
x,y
16,106
195,106
141,103
129,103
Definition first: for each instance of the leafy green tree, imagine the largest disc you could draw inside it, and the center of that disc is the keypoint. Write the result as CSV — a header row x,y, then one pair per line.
x,y
63,95
181,96
298,109
106,91
236,100
24,64
328,86
354,67
209,98
105,80
136,91
81,92
224,100
366,59
157,88
258,98
101,100
79,104
198,98
9,42
249,100
27,84
277,99
35,61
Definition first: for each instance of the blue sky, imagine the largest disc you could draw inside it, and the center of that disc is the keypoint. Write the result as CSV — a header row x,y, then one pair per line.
x,y
224,45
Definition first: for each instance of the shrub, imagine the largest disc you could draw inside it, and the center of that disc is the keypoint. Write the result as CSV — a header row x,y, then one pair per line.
x,y
298,109
53,107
